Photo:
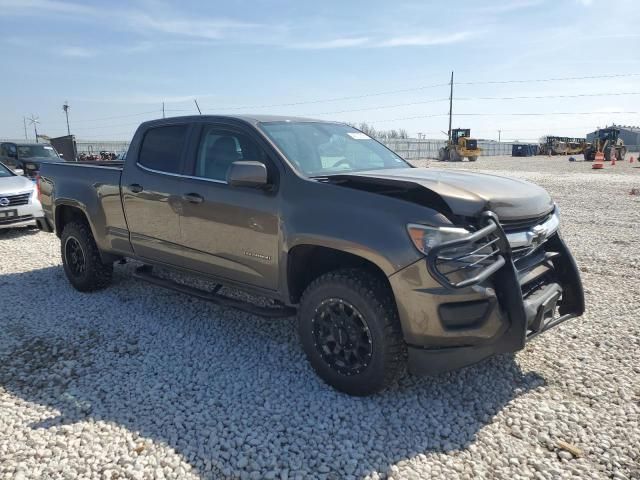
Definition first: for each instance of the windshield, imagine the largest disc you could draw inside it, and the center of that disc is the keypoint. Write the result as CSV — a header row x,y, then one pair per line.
x,y
5,172
40,151
318,148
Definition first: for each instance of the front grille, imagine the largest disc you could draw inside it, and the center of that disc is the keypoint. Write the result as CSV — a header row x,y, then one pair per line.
x,y
524,224
16,200
472,144
21,218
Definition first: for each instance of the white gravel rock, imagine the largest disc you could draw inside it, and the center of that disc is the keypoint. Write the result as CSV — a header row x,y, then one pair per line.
x,y
139,382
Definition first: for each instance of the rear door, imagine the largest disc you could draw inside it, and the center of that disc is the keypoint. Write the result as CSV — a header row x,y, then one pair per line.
x,y
151,190
230,232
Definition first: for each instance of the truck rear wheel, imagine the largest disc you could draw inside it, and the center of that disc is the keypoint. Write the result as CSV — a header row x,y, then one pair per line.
x,y
81,259
453,155
349,329
442,155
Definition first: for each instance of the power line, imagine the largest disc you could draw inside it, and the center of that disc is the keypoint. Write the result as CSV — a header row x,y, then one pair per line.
x,y
335,99
387,92
437,100
499,114
538,114
557,79
389,106
115,117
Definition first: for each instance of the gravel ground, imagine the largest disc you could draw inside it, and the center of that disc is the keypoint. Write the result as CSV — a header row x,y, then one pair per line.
x,y
139,382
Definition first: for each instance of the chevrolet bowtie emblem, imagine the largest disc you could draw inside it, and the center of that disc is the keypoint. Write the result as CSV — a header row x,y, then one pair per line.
x,y
537,235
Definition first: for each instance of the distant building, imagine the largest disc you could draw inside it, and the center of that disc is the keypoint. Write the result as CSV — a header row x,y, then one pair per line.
x,y
630,135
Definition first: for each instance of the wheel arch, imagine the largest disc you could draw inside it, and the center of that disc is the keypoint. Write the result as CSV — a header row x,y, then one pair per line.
x,y
71,211
306,262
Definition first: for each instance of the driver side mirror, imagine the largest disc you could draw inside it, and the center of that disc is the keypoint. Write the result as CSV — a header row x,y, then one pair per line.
x,y
18,171
247,174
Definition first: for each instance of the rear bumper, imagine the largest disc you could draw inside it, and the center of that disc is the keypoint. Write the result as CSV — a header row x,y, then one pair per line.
x,y
449,325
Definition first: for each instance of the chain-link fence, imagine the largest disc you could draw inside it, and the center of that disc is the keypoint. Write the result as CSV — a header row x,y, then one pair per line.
x,y
85,146
413,149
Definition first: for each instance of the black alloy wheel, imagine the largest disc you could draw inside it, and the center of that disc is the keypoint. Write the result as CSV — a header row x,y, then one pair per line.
x,y
342,337
75,256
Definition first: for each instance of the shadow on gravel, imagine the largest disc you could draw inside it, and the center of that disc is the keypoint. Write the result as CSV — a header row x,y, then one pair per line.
x,y
8,233
231,393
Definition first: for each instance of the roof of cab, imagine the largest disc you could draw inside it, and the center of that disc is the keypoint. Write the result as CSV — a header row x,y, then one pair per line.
x,y
252,119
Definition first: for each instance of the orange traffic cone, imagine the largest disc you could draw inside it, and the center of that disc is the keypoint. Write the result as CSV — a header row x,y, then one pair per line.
x,y
598,162
630,159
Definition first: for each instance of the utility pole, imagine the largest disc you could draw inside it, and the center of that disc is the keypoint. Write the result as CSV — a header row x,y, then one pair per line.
x,y
65,107
499,133
162,109
450,105
197,106
24,121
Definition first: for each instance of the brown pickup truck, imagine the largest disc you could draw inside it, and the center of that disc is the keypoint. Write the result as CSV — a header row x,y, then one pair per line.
x,y
387,266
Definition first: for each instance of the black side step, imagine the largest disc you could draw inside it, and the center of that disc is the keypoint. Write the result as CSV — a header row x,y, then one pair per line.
x,y
144,273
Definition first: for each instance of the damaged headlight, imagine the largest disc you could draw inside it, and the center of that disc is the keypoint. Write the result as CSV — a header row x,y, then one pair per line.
x,y
425,237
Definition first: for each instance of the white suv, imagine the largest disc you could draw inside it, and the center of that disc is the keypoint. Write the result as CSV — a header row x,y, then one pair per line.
x,y
19,203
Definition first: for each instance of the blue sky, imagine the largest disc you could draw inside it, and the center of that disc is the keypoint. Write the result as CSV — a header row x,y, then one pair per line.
x,y
116,62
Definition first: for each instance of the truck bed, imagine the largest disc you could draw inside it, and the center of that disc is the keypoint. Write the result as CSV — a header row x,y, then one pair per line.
x,y
94,187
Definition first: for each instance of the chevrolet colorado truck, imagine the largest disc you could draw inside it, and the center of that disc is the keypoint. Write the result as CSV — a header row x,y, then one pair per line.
x,y
387,266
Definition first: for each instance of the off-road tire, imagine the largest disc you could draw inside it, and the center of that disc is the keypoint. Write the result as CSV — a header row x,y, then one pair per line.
x,y
96,274
621,153
453,156
607,153
372,297
442,155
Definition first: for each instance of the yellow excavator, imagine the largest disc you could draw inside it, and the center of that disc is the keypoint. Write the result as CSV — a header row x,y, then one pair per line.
x,y
459,146
608,142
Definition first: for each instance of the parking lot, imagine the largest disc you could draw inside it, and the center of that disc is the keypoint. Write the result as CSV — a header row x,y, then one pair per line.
x,y
139,382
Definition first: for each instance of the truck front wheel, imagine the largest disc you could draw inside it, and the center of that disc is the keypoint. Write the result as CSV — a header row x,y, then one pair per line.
x,y
81,259
350,332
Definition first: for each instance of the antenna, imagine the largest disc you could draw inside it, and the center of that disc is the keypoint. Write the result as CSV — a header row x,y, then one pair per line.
x,y
34,120
197,106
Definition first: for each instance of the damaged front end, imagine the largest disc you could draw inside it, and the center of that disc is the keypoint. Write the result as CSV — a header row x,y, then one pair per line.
x,y
494,288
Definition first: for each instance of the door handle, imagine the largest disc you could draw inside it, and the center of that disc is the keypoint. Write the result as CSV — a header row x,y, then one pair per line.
x,y
135,188
193,198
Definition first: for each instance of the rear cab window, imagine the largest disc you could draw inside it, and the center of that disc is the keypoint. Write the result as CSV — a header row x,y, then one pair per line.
x,y
162,148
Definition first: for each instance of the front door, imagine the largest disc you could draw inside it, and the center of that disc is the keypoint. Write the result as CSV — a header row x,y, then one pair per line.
x,y
151,193
229,232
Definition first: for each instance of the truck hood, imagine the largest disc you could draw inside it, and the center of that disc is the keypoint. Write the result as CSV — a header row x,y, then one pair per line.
x,y
465,193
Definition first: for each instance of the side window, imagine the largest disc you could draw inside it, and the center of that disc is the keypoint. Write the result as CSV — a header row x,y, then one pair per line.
x,y
220,148
162,148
